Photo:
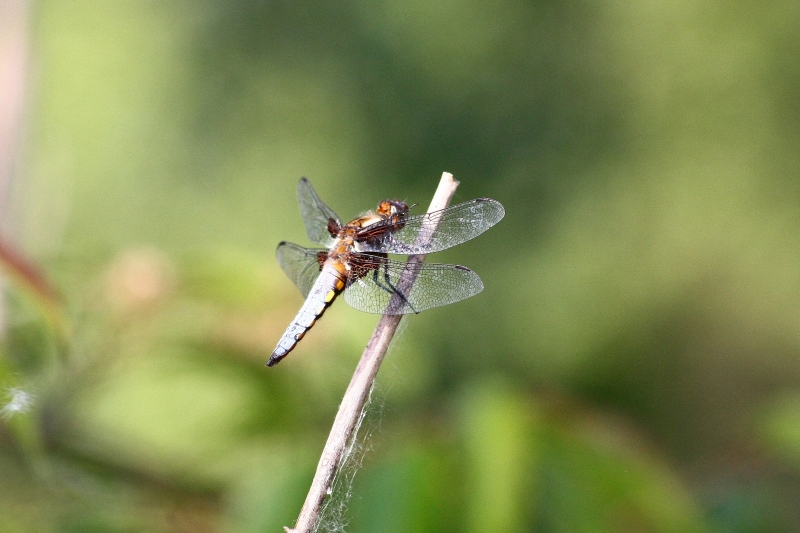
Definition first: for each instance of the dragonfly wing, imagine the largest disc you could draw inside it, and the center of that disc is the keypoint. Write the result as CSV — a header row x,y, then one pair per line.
x,y
315,214
302,265
440,229
374,280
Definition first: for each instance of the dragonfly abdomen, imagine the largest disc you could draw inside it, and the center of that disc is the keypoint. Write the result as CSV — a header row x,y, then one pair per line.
x,y
326,288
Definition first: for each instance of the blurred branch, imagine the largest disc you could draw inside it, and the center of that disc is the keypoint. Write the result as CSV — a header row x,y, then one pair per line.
x,y
346,421
18,266
22,270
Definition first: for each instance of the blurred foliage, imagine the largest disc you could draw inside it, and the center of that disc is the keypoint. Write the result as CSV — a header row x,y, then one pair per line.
x,y
633,364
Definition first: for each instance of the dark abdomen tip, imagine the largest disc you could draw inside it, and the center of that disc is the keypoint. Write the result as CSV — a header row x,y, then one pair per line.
x,y
276,357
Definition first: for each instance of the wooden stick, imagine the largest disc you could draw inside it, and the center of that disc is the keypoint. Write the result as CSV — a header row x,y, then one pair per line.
x,y
359,389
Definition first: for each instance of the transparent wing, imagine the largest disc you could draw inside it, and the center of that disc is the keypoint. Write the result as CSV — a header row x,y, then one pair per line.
x,y
445,228
374,280
315,214
302,265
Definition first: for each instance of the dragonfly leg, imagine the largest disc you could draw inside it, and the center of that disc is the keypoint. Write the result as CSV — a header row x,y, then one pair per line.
x,y
390,288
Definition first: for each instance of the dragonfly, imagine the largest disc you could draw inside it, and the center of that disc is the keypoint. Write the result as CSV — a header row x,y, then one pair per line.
x,y
355,259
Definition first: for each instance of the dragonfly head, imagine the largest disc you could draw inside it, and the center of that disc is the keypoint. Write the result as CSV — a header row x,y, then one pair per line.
x,y
388,208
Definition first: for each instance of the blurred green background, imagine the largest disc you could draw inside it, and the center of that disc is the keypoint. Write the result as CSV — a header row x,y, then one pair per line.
x,y
633,364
